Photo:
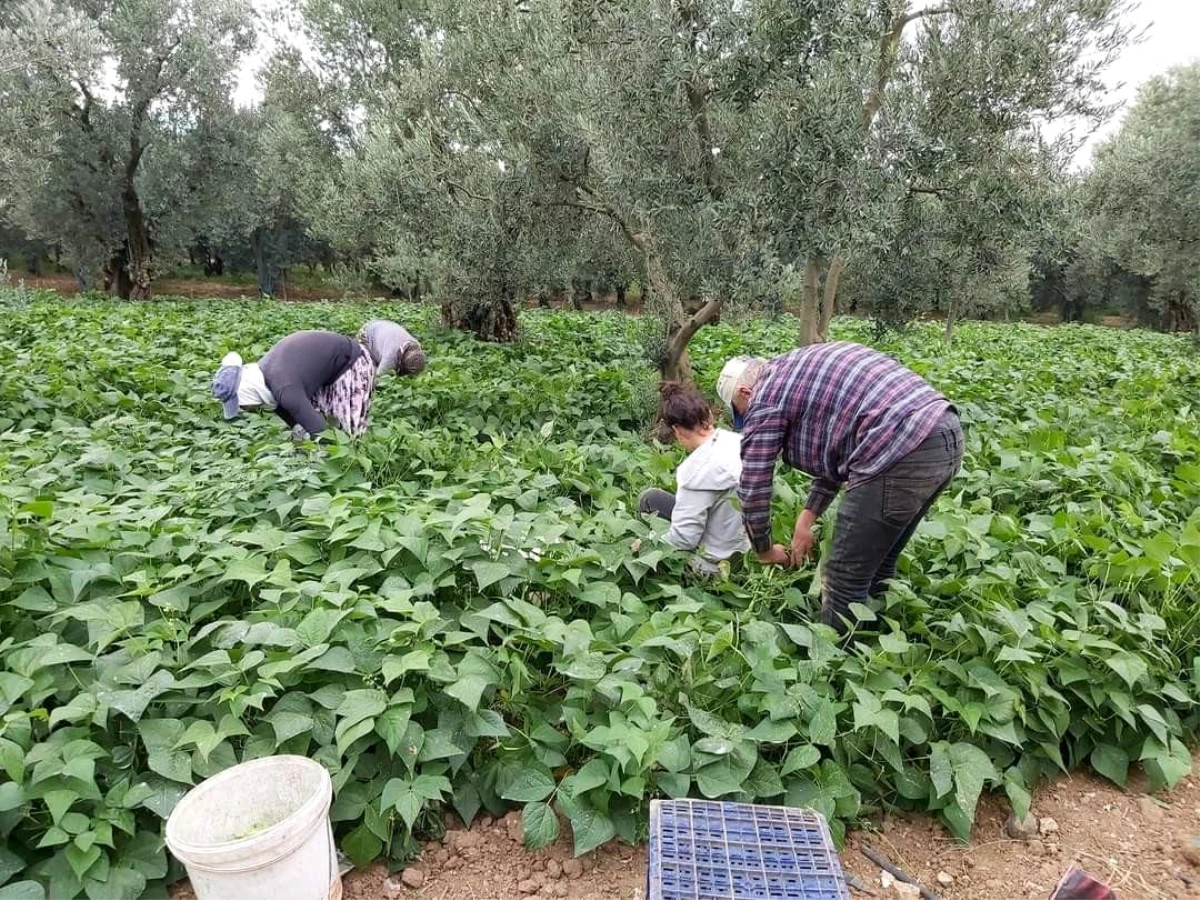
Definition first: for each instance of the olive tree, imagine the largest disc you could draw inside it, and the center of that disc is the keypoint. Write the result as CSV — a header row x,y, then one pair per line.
x,y
528,128
937,99
1144,189
140,73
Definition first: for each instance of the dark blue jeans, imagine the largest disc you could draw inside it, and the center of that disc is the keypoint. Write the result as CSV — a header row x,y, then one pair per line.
x,y
877,518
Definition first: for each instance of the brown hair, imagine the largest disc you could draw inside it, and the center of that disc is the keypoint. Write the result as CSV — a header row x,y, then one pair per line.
x,y
683,406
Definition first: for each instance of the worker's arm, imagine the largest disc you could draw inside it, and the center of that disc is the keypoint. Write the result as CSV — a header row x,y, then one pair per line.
x,y
820,495
293,403
762,442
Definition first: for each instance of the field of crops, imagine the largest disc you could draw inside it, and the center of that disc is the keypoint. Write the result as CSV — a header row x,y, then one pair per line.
x,y
449,613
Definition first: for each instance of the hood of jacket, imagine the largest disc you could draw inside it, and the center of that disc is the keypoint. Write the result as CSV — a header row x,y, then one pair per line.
x,y
716,465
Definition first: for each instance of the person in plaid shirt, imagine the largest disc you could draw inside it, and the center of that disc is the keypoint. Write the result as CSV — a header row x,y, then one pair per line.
x,y
846,415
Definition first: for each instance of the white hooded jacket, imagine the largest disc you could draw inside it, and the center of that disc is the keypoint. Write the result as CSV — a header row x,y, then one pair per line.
x,y
704,517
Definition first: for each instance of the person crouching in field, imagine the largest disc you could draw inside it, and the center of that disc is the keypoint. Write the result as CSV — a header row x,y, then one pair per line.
x,y
701,511
307,377
845,414
392,347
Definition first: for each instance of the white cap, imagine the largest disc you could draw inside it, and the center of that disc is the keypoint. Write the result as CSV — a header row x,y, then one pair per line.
x,y
731,376
231,359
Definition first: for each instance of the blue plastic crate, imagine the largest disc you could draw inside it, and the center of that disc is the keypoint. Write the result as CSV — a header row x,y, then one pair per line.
x,y
705,850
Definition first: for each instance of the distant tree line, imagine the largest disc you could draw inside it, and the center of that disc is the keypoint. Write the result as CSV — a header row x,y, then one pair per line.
x,y
725,157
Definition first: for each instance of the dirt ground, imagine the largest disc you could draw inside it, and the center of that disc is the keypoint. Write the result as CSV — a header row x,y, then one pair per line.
x,y
191,288
1139,845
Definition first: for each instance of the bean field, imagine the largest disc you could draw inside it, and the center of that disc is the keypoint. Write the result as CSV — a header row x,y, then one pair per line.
x,y
462,610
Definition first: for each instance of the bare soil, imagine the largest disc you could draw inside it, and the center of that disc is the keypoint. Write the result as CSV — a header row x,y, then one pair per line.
x,y
194,288
1139,845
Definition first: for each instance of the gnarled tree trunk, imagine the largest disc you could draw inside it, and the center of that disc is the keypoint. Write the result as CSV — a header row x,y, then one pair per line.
x,y
140,254
489,320
829,297
116,274
951,318
810,309
817,308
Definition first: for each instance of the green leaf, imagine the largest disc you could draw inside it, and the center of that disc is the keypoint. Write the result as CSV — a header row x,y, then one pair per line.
x,y
676,754
407,797
800,758
972,768
12,760
763,782
488,573
59,803
287,725
11,796
534,783
122,883
1018,793
591,828
347,736
468,690
22,890
1166,766
593,774
941,772
441,743
886,720
822,728
726,774
249,569
1131,668
466,801
411,745
82,860
894,642
362,846
1111,762
393,725
397,666
359,705
771,732
540,825
10,864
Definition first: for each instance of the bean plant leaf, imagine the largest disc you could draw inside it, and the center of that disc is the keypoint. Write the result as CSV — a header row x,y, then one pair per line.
x,y
1131,668
10,864
972,769
11,796
941,770
468,690
591,828
488,573
532,784
540,825
1111,762
362,846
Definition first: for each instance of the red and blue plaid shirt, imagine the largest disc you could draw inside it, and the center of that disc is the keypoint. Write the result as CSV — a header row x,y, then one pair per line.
x,y
841,412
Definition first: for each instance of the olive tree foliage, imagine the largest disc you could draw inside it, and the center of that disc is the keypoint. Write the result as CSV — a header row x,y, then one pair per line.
x,y
524,133
927,173
100,86
1144,194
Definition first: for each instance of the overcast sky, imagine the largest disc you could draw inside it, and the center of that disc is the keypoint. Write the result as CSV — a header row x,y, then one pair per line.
x,y
1171,38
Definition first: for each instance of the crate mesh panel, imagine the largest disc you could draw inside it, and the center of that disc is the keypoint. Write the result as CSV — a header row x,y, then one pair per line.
x,y
705,850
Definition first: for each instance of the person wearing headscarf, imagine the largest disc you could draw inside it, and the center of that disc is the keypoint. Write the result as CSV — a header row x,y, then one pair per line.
x,y
392,348
307,378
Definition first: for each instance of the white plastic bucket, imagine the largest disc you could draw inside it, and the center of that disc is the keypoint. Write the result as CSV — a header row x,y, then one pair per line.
x,y
259,830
